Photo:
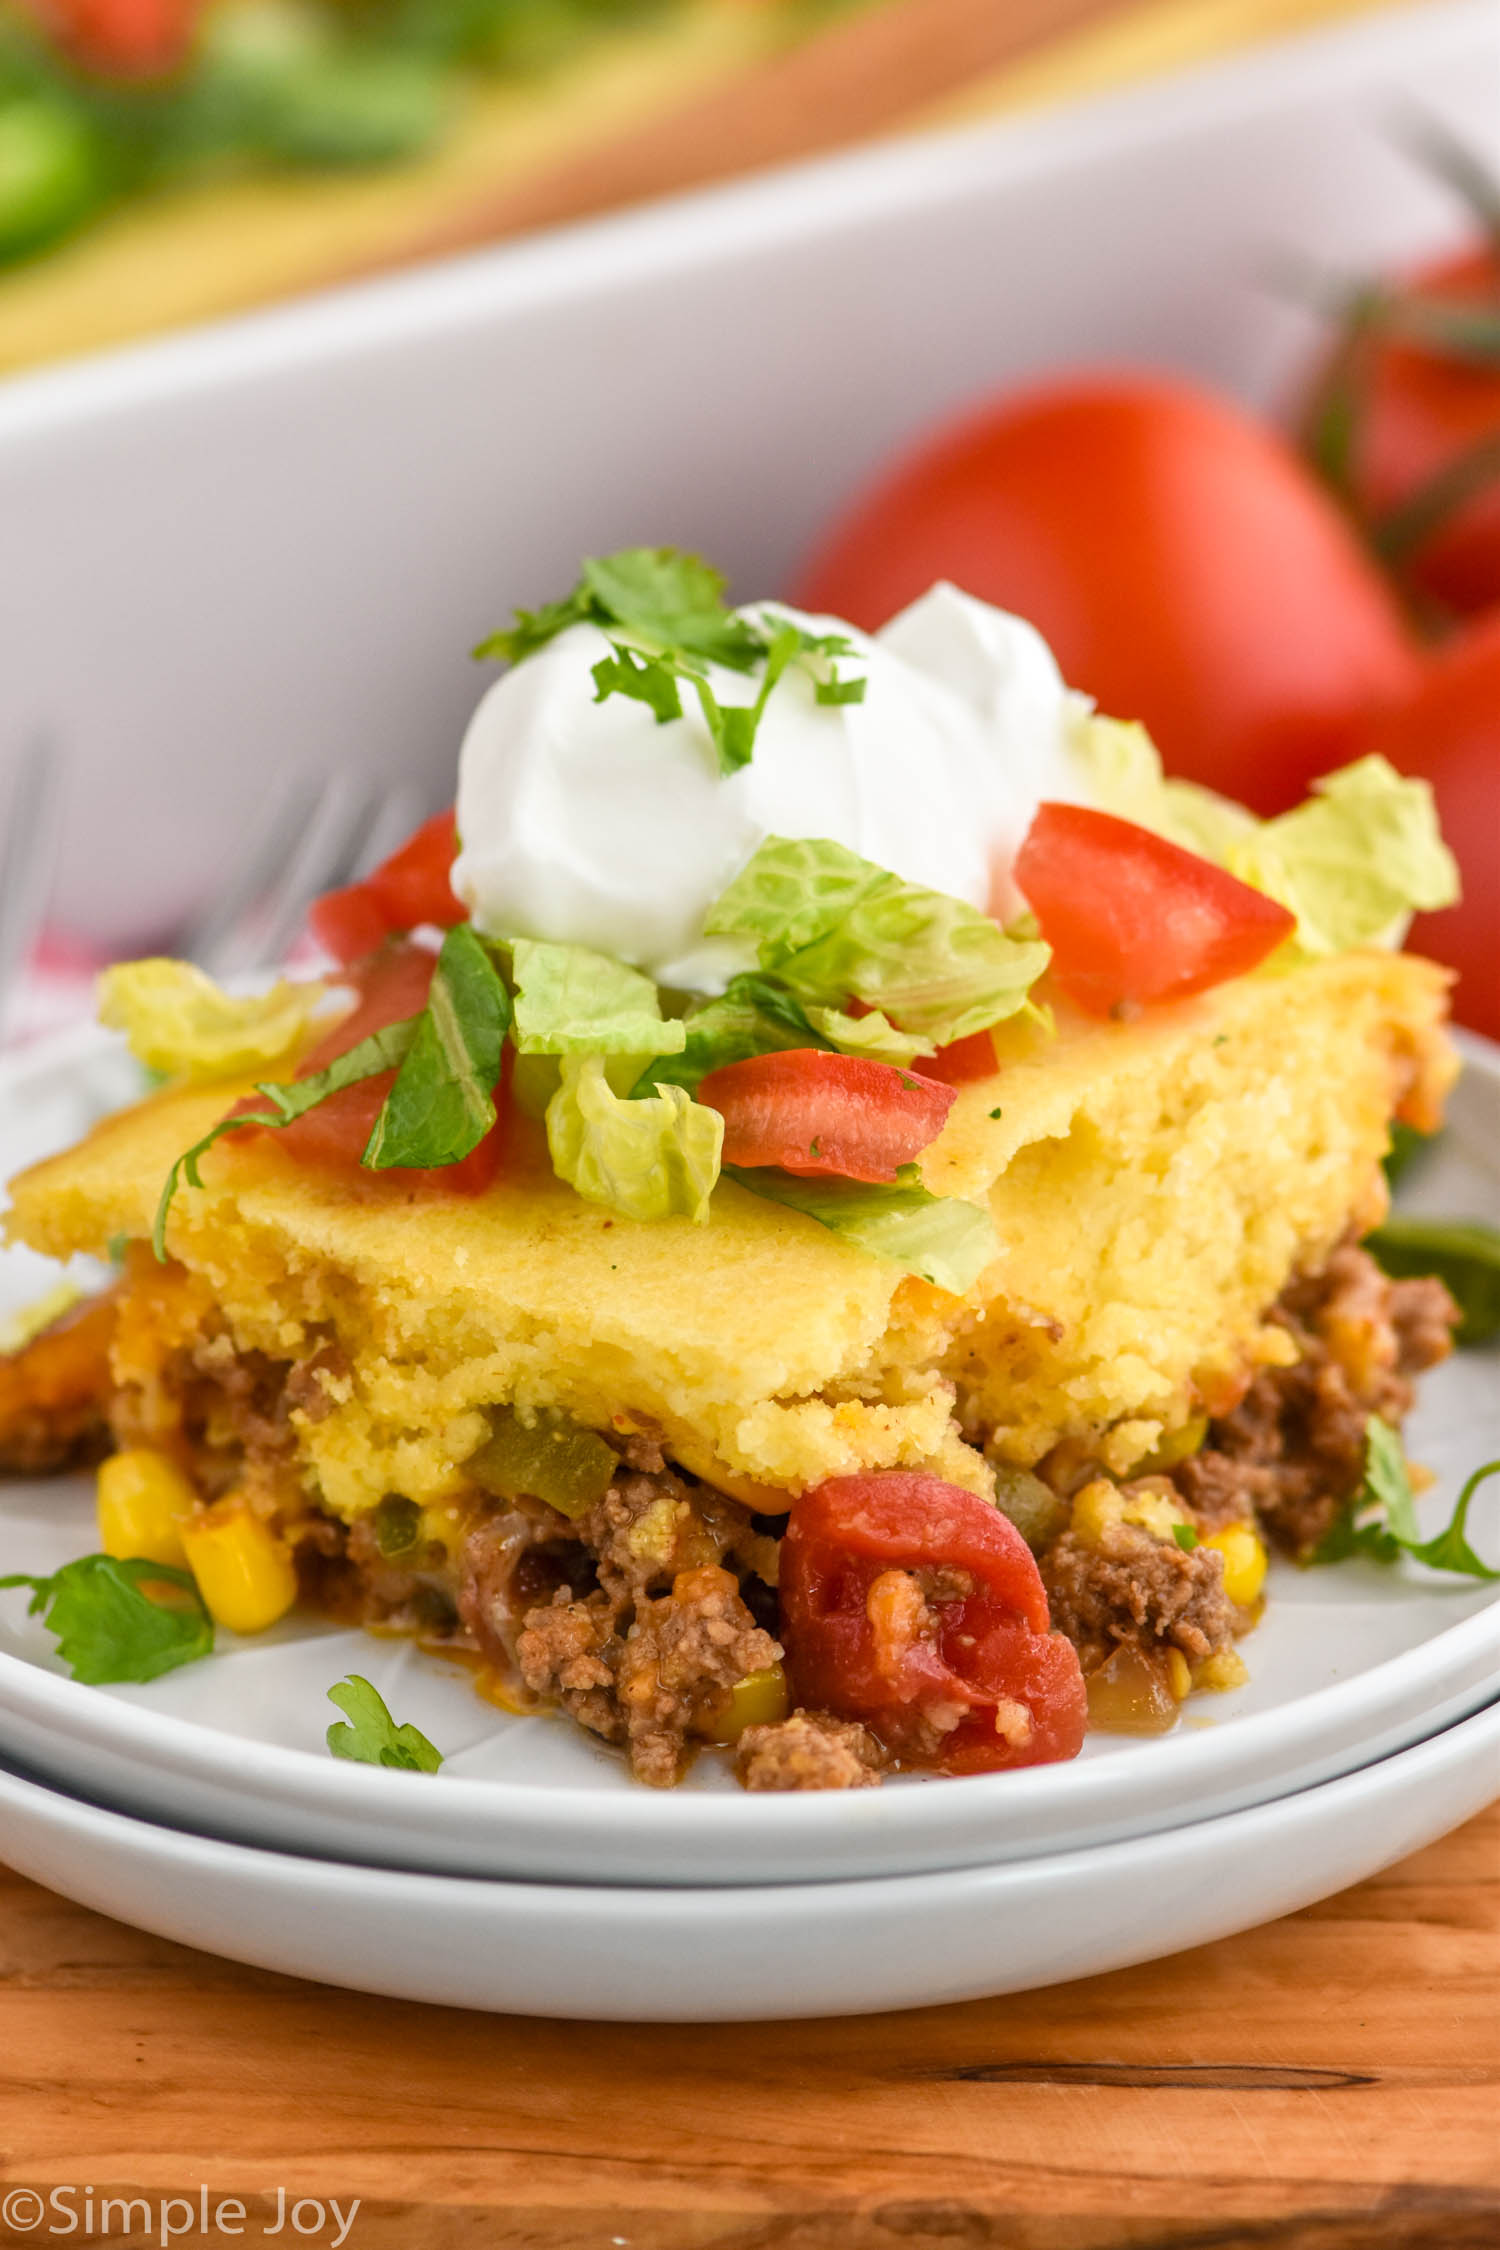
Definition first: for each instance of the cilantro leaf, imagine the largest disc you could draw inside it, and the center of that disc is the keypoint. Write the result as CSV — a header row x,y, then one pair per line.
x,y
443,1101
648,679
1450,1550
669,600
1392,1529
1464,1254
373,1737
666,619
534,628
109,1628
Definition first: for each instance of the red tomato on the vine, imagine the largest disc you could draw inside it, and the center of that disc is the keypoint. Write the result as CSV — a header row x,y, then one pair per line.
x,y
912,1605
1186,567
1405,412
1449,733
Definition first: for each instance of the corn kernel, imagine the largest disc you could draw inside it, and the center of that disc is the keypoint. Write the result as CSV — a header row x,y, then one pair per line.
x,y
1245,1562
1098,1508
760,1699
1179,1674
1155,1513
142,1497
244,1572
1224,1670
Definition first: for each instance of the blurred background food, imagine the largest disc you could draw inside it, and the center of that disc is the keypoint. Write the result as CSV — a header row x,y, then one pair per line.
x,y
1273,598
166,161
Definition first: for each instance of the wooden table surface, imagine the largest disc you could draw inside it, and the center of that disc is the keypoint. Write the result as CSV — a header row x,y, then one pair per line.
x,y
1331,2082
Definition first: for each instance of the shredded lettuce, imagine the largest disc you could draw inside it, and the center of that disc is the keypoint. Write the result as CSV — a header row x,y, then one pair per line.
x,y
648,1158
754,1015
1355,861
1352,863
1125,771
573,1001
945,1240
179,1022
873,1037
831,924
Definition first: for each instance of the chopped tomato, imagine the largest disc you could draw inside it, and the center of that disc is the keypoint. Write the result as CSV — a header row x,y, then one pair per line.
x,y
1183,563
912,1605
1132,918
391,987
409,889
962,1060
825,1115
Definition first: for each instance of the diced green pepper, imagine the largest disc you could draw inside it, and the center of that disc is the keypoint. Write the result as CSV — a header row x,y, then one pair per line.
x,y
1037,1512
553,1459
398,1526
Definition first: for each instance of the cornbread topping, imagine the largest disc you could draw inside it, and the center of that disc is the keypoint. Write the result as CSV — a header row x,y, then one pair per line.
x,y
736,1290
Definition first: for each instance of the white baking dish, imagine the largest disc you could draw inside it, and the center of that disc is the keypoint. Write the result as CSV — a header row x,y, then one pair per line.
x,y
267,545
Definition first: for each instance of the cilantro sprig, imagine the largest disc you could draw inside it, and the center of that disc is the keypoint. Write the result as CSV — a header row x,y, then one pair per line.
x,y
446,1060
666,621
372,1738
1381,1521
110,1628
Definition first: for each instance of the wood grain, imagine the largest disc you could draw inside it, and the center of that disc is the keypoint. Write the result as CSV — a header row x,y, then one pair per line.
x,y
1331,2082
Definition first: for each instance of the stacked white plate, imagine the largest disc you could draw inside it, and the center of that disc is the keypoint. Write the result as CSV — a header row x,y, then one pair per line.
x,y
208,585
531,1875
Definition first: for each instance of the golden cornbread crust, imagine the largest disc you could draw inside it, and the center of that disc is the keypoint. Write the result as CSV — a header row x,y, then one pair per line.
x,y
1155,1185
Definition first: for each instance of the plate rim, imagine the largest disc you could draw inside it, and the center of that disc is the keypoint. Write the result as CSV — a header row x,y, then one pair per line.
x,y
189,1848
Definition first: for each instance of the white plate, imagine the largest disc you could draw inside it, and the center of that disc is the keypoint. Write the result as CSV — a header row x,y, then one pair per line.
x,y
1350,1664
725,1956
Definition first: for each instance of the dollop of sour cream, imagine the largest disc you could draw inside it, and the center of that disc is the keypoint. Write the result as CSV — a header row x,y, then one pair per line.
x,y
591,823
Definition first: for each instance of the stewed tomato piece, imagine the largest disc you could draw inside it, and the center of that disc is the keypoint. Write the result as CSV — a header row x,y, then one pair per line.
x,y
918,1608
824,1115
407,890
1131,917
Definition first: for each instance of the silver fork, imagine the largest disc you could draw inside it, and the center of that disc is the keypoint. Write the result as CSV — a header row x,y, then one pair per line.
x,y
317,836
29,845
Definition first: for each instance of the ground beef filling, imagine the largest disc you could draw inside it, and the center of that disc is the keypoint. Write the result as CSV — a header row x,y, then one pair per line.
x,y
810,1750
1292,1452
1132,1588
643,1617
648,1629
1289,1457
